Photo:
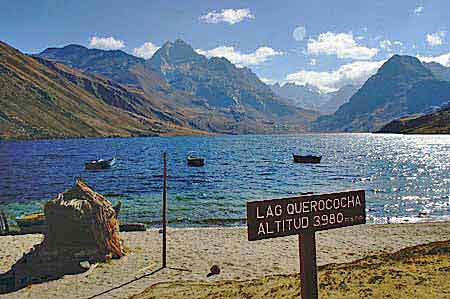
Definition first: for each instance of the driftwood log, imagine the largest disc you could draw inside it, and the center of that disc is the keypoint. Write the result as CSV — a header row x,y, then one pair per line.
x,y
82,221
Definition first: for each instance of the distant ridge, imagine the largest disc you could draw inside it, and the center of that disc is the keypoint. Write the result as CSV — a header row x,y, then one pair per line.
x,y
304,96
310,97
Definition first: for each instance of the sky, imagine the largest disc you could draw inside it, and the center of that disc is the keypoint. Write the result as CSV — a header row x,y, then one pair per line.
x,y
327,44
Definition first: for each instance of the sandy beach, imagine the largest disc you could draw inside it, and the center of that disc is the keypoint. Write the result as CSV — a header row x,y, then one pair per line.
x,y
193,251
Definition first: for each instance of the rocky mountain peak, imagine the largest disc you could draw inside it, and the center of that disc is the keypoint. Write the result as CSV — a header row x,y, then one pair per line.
x,y
174,53
405,67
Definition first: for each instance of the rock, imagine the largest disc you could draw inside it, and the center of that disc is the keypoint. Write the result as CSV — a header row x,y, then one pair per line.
x,y
85,265
215,270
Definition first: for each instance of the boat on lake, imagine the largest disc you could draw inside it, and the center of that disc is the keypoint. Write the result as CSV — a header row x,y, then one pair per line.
x,y
307,159
32,223
195,161
99,164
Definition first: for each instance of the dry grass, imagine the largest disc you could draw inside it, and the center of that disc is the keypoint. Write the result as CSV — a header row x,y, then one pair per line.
x,y
416,272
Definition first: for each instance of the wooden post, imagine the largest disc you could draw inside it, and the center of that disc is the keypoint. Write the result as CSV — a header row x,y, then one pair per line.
x,y
164,216
308,268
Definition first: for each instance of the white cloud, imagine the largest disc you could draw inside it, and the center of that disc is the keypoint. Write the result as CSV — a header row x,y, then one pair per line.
x,y
313,61
145,51
443,59
343,45
299,33
418,10
231,16
389,46
261,55
106,43
353,73
435,39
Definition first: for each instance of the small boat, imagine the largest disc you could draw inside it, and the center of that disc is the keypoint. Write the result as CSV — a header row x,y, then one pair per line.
x,y
307,159
99,164
195,161
32,223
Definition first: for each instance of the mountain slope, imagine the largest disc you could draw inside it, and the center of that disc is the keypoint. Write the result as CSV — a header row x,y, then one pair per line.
x,y
38,101
434,123
401,86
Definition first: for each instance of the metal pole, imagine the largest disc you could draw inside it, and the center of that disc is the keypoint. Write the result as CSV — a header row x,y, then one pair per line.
x,y
164,224
308,267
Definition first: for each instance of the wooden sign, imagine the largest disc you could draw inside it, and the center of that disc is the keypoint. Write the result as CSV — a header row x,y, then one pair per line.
x,y
303,216
296,215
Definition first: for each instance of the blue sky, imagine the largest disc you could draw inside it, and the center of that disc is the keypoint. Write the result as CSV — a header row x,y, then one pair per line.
x,y
336,42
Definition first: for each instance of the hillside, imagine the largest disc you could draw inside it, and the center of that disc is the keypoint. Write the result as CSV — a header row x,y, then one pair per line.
x,y
402,86
40,99
434,123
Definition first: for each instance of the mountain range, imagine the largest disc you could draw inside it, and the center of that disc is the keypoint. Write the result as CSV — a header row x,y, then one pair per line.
x,y
74,91
402,86
223,98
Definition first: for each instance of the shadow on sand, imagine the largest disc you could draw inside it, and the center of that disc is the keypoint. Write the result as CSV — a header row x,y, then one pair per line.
x,y
36,267
136,279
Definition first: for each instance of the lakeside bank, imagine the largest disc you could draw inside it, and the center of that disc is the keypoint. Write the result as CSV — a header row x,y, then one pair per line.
x,y
192,252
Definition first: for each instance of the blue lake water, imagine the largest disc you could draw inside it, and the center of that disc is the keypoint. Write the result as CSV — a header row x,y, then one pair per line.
x,y
406,178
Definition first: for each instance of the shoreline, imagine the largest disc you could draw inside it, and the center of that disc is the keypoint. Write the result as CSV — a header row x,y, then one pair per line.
x,y
208,134
192,251
241,223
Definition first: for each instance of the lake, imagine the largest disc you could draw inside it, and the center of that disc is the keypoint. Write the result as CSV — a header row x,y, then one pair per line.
x,y
406,178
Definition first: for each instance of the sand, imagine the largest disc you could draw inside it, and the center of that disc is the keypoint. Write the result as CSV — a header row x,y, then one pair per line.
x,y
192,252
